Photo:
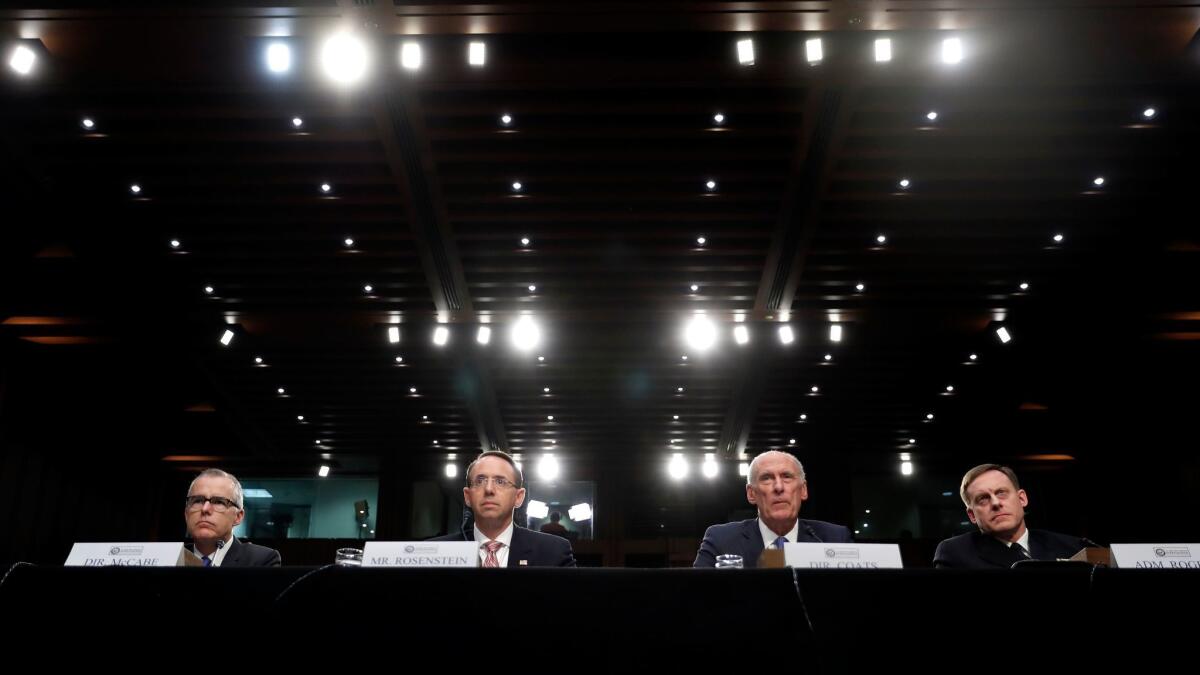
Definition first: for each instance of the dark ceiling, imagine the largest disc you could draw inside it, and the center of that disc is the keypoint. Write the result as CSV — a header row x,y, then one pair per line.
x,y
613,139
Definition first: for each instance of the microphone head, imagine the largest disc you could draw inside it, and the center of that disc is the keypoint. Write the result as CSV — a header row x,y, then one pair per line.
x,y
220,544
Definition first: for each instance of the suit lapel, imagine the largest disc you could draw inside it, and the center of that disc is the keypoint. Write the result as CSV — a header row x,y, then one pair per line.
x,y
1038,549
752,547
234,554
521,549
993,551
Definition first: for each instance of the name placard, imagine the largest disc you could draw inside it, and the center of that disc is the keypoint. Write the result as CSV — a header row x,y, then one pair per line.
x,y
1157,556
842,556
420,554
130,554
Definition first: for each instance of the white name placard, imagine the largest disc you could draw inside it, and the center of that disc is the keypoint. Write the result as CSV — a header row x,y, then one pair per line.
x,y
1157,556
420,554
842,556
130,554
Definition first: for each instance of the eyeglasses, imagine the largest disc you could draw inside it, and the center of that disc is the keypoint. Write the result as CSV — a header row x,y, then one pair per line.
x,y
219,504
499,481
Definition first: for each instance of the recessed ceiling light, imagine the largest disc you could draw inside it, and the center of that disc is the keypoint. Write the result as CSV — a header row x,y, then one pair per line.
x,y
410,56
345,58
952,50
22,60
279,58
477,53
745,51
813,51
883,50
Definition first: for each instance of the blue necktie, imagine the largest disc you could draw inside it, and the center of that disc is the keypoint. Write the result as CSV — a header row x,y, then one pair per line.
x,y
779,543
207,561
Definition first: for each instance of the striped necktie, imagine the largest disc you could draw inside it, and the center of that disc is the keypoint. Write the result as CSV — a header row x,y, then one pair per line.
x,y
492,546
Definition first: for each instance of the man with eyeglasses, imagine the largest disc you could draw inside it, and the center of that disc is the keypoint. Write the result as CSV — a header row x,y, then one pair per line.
x,y
495,488
212,509
776,485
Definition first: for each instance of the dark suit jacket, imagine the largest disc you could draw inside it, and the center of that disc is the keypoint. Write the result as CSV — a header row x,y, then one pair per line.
x,y
744,538
244,554
535,548
976,550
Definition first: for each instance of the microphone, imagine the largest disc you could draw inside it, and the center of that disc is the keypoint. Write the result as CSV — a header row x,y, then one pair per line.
x,y
813,533
468,517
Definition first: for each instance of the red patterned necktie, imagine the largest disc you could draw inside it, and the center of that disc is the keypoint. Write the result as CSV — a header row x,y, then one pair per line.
x,y
492,547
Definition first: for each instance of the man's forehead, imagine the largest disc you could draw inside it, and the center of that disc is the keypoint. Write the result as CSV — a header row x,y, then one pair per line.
x,y
494,465
777,464
989,480
212,485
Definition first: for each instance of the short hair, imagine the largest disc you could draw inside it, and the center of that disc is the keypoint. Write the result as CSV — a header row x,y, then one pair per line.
x,y
218,473
978,471
502,455
555,517
750,475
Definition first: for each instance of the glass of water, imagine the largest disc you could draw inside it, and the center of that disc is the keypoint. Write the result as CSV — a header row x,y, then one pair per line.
x,y
729,561
350,557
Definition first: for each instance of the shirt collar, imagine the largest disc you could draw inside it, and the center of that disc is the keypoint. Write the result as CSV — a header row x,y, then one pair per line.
x,y
769,536
504,538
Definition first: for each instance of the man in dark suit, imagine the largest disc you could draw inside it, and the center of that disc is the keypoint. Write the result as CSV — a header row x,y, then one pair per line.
x,y
777,486
212,509
495,488
996,504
